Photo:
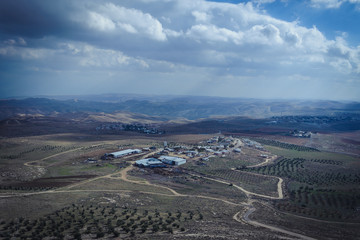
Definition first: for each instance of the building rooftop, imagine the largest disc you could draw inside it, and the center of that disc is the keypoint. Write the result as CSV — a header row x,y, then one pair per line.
x,y
170,158
125,152
148,161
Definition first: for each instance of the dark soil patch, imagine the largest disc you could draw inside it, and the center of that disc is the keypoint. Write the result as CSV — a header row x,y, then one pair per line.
x,y
51,182
350,141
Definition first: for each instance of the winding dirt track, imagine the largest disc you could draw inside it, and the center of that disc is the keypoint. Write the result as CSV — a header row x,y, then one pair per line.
x,y
248,193
245,218
267,160
124,177
250,208
31,163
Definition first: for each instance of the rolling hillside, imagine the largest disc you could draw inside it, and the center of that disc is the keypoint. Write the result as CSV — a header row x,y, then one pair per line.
x,y
174,107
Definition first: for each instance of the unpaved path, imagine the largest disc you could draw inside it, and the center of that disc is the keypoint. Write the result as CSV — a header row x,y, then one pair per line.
x,y
124,170
267,161
248,193
251,209
31,163
124,177
279,184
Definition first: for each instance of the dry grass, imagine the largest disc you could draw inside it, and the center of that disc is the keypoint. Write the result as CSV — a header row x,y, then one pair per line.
x,y
118,184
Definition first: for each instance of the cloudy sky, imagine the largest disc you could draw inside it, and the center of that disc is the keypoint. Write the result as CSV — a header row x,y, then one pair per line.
x,y
261,49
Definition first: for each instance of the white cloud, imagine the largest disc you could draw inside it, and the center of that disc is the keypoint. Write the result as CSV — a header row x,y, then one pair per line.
x,y
211,33
91,56
10,42
342,65
264,34
23,52
19,41
165,41
332,3
292,38
326,3
195,29
201,16
313,40
100,22
263,1
114,17
172,33
127,27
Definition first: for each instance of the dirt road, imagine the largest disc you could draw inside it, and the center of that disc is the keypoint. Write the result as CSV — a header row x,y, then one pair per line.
x,y
245,218
248,193
267,161
250,209
31,163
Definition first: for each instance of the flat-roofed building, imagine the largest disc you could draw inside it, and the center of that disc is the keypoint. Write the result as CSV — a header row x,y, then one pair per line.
x,y
237,150
150,163
124,153
172,160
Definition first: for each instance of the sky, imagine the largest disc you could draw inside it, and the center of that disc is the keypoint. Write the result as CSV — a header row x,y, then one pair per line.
x,y
270,49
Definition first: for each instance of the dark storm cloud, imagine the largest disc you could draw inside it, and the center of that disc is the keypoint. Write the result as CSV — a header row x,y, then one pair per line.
x,y
34,18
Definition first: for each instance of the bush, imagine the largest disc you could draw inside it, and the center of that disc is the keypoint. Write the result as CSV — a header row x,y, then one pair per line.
x,y
155,228
100,234
116,234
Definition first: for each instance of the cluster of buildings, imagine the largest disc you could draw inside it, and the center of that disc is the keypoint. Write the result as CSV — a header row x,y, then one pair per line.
x,y
216,146
300,134
318,119
162,161
180,150
129,127
251,143
221,145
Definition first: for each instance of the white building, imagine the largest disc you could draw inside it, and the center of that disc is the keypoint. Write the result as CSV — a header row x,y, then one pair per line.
x,y
124,153
172,160
237,150
149,162
218,153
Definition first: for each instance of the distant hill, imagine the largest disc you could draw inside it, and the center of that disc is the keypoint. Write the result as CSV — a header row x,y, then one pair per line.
x,y
171,107
174,115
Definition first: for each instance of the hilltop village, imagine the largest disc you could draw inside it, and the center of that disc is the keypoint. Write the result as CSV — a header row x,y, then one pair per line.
x,y
116,127
171,155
